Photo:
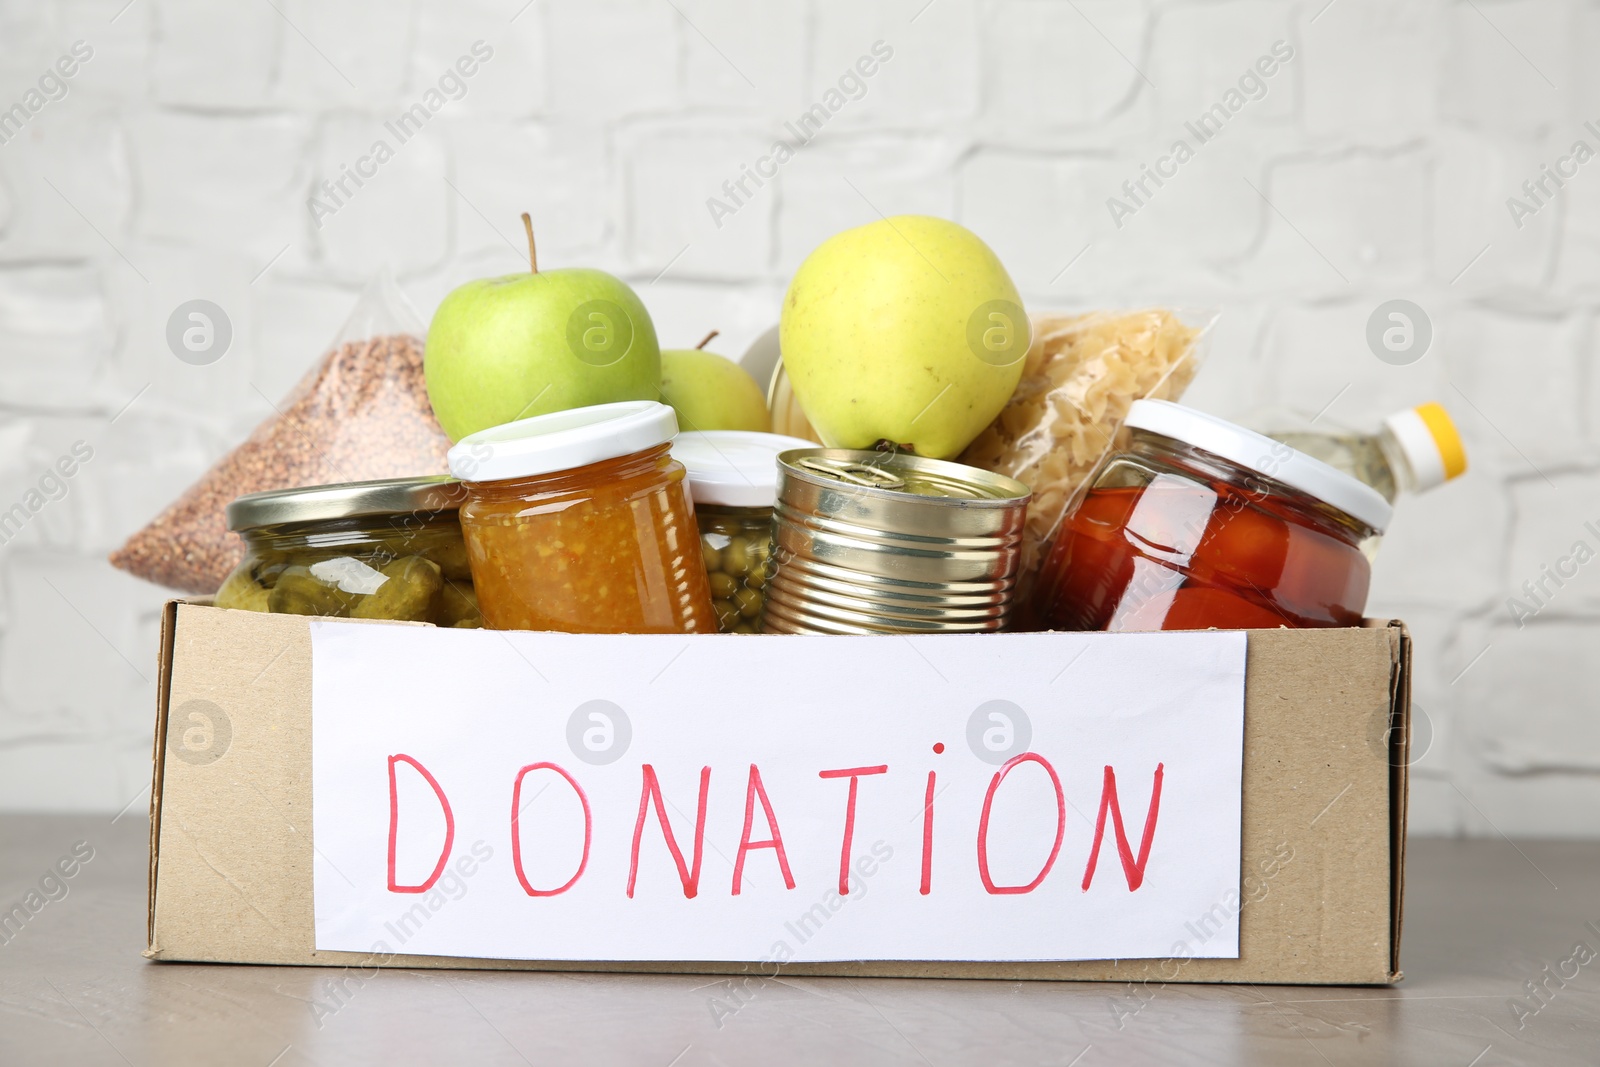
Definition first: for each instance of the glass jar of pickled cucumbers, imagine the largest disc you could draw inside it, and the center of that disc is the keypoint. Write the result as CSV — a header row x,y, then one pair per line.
x,y
733,480
360,550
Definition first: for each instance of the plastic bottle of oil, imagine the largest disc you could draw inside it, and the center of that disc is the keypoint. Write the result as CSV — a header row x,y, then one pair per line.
x,y
1411,452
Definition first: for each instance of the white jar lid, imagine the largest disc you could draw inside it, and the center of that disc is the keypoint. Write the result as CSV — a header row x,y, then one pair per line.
x,y
562,440
733,468
1261,454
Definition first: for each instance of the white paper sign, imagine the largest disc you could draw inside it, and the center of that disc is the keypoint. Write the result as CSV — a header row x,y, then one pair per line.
x,y
767,799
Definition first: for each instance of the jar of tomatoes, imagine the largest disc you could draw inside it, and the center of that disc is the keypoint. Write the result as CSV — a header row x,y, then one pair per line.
x,y
578,521
1192,522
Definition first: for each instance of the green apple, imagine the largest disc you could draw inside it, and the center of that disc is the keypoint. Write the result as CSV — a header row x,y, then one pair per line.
x,y
711,392
502,349
907,330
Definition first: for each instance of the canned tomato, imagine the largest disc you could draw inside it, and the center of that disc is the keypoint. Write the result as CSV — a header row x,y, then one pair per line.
x,y
883,542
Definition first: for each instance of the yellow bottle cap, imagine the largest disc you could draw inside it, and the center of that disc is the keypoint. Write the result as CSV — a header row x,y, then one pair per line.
x,y
1431,443
1446,437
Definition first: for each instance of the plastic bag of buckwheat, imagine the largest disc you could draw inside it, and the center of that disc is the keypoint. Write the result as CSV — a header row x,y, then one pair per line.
x,y
361,413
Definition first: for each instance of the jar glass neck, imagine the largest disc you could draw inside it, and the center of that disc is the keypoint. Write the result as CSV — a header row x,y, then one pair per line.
x,y
356,530
633,465
761,511
1250,483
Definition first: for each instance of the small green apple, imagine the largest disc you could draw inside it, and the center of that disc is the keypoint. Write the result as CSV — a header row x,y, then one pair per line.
x,y
508,348
906,330
711,392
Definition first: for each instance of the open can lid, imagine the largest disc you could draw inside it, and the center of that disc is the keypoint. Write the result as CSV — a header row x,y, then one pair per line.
x,y
562,441
901,475
1262,454
733,468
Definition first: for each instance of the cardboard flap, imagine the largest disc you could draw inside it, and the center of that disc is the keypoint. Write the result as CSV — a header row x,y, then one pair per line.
x,y
169,626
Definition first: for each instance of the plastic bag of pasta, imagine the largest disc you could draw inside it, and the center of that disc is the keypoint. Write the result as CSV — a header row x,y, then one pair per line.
x,y
1081,375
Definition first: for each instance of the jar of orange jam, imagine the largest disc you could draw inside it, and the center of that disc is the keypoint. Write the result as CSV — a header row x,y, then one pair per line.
x,y
1192,522
579,522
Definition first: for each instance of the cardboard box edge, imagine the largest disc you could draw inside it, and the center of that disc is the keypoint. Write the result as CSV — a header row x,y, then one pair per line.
x,y
1399,788
1114,971
169,628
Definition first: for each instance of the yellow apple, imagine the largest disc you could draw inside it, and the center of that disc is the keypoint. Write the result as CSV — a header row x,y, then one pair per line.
x,y
711,392
906,330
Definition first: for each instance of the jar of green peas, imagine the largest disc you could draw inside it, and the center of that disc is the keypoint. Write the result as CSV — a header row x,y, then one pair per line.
x,y
733,481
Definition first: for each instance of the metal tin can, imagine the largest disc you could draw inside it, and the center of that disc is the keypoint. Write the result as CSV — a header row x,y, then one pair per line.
x,y
883,542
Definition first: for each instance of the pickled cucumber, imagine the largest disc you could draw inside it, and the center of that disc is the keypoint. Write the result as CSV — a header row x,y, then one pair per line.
x,y
457,606
408,595
242,593
299,592
450,553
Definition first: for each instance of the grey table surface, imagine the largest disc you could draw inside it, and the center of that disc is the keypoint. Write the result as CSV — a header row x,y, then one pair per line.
x,y
1484,919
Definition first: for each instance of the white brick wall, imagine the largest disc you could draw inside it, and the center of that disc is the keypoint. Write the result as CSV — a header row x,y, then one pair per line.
x,y
185,150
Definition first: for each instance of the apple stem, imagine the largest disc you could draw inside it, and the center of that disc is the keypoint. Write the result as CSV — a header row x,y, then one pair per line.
x,y
533,252
707,339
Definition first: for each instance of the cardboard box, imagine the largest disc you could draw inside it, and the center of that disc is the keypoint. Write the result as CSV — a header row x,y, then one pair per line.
x,y
1324,778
